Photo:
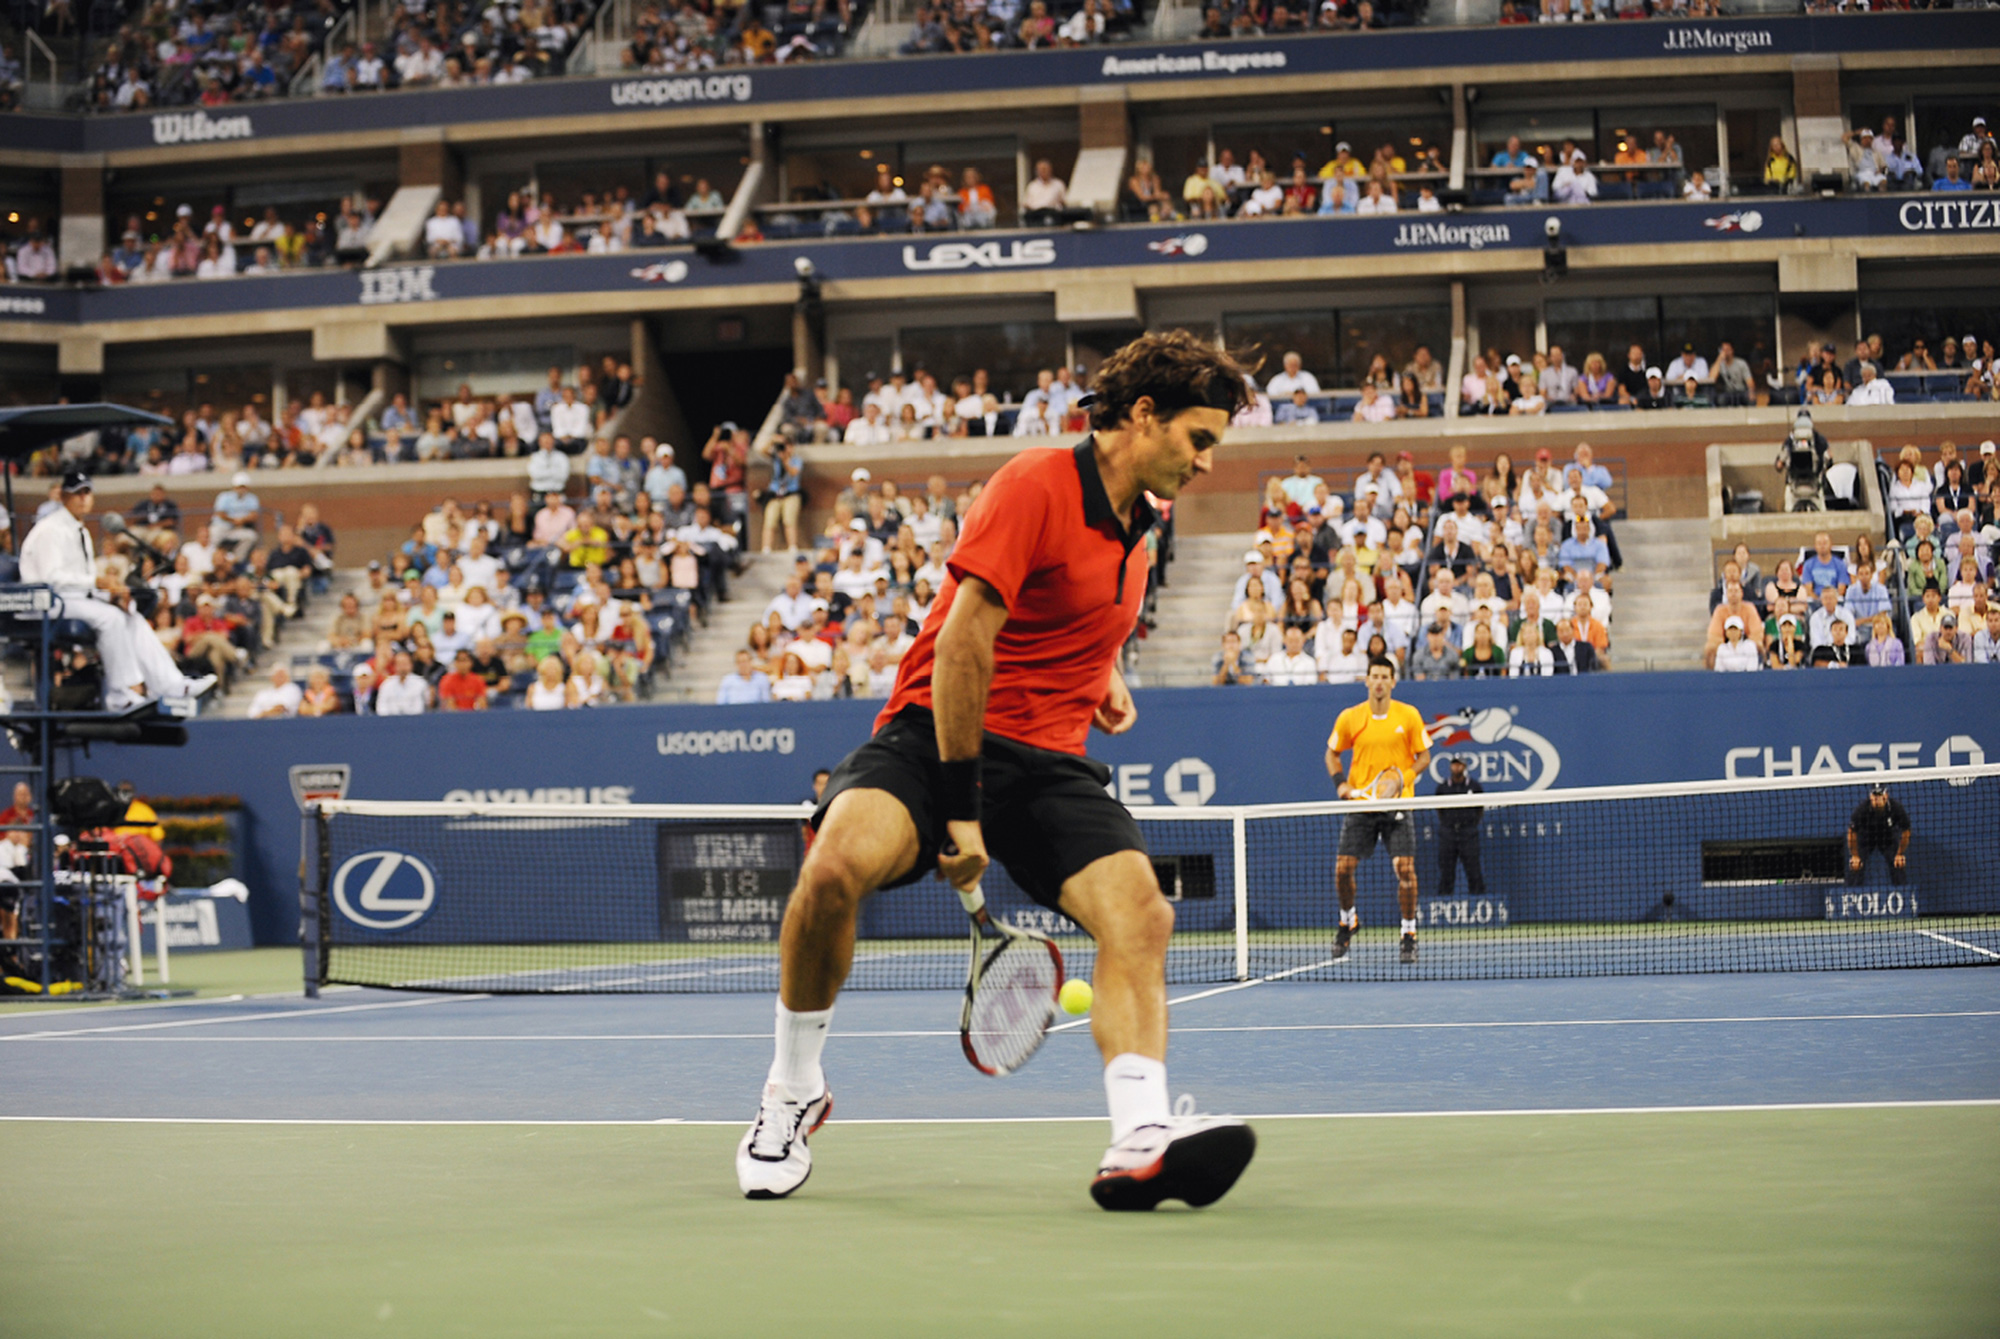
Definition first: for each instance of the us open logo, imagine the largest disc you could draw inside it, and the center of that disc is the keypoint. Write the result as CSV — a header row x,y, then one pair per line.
x,y
384,890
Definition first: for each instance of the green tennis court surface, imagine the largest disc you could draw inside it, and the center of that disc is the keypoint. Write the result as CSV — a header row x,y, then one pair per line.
x,y
1862,1222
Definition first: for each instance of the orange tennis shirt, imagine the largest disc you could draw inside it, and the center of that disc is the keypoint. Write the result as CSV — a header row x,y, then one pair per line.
x,y
1044,537
1379,743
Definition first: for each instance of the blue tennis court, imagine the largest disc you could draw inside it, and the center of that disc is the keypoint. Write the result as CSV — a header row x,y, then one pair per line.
x,y
1280,1048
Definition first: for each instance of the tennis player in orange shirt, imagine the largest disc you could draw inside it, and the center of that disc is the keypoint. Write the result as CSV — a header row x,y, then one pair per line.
x,y
1390,746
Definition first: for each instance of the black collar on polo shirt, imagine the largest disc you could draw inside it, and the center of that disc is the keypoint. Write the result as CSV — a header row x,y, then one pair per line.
x,y
1097,502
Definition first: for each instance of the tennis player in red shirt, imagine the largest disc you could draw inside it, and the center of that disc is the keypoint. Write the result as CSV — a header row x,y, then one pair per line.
x,y
978,756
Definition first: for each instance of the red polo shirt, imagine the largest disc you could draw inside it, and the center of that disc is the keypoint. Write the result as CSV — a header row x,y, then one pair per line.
x,y
1044,537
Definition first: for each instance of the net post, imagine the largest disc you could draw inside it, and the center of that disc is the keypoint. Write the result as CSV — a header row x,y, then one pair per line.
x,y
314,854
1239,864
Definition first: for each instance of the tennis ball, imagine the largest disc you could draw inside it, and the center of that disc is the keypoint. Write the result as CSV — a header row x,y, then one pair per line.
x,y
1075,997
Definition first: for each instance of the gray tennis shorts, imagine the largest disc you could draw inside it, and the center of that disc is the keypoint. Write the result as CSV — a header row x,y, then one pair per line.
x,y
1360,832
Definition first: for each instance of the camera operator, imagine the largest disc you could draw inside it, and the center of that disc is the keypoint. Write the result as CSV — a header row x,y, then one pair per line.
x,y
1803,459
1879,824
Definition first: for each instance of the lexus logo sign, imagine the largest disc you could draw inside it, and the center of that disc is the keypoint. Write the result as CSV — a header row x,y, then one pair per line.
x,y
384,890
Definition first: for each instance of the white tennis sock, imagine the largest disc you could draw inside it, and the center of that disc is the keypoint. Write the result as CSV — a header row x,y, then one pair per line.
x,y
1409,927
1351,917
801,1037
1135,1087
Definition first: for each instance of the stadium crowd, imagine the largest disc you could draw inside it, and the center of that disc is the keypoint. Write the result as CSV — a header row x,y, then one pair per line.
x,y
565,418
1500,571
542,601
857,592
1924,597
233,51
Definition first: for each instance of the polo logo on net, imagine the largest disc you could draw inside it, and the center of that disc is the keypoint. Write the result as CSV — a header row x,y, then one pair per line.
x,y
666,92
705,743
1966,215
406,285
384,890
1187,782
1739,41
1499,753
199,128
1471,236
1750,763
1208,62
982,255
543,795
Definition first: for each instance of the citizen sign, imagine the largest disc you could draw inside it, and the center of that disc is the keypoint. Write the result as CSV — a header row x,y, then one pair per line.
x,y
982,255
412,285
199,128
1964,214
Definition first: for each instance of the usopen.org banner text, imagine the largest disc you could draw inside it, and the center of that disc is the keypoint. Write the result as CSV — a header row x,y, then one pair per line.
x,y
689,88
1207,62
707,743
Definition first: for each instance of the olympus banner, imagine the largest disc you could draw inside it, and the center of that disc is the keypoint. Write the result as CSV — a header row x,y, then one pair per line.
x,y
1705,47
1190,747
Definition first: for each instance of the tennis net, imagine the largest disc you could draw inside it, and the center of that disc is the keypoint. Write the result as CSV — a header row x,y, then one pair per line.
x,y
1731,876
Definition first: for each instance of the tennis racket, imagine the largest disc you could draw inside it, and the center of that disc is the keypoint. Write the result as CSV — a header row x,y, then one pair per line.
x,y
1388,784
1010,991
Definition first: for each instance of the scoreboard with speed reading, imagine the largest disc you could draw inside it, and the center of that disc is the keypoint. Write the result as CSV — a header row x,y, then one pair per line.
x,y
726,882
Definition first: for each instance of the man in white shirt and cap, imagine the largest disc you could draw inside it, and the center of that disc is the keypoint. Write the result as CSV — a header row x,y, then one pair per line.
x,y
58,553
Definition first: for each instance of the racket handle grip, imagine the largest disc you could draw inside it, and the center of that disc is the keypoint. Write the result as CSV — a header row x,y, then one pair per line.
x,y
975,900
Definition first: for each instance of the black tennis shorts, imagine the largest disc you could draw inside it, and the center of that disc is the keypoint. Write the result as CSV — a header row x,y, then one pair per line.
x,y
1360,832
1045,816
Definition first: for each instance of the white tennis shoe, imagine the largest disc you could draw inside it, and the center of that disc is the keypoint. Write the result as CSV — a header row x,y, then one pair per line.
x,y
1192,1157
773,1160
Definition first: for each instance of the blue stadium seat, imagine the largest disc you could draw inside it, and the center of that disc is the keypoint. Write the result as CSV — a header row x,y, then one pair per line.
x,y
1658,188
1565,407
1614,190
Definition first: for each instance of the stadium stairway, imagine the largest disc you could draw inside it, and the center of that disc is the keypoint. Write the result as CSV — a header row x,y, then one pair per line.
x,y
299,637
1659,604
1190,611
711,651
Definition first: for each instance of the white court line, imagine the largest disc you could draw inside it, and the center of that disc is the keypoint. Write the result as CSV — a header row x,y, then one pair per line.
x,y
81,1007
878,1034
1959,943
1219,990
239,1018
1036,1120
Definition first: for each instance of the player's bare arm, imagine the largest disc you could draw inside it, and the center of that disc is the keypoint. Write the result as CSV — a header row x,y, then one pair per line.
x,y
964,673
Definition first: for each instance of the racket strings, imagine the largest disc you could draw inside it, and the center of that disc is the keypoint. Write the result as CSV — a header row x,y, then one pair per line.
x,y
1012,1005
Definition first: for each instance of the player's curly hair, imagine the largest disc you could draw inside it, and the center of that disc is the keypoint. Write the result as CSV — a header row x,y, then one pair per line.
x,y
1176,370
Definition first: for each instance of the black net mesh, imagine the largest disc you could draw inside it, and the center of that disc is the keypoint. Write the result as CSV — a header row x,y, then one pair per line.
x,y
1750,876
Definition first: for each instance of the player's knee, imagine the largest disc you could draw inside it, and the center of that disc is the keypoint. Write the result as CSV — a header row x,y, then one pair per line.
x,y
832,877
